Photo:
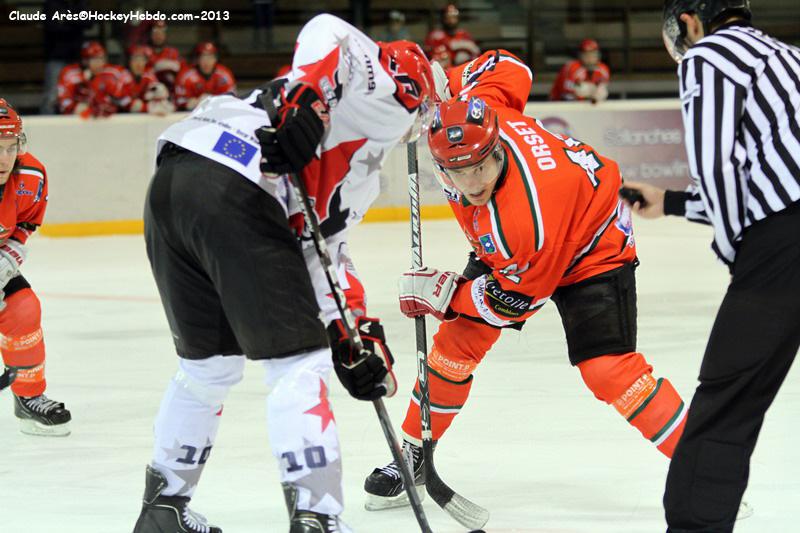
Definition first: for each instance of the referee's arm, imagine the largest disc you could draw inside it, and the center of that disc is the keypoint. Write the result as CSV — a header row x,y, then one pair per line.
x,y
712,104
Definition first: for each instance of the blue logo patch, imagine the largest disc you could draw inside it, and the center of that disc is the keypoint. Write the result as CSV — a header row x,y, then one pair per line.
x,y
455,134
234,148
487,243
475,110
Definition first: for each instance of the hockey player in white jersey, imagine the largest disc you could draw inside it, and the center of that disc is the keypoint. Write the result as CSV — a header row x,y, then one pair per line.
x,y
224,239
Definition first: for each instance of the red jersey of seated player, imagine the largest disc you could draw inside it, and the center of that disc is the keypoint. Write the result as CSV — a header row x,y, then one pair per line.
x,y
460,45
166,63
146,91
23,199
573,74
108,91
73,88
555,218
191,83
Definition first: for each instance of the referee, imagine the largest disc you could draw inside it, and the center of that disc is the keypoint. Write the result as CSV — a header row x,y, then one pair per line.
x,y
740,98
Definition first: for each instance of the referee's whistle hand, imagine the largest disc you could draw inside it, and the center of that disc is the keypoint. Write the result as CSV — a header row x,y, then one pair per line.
x,y
653,205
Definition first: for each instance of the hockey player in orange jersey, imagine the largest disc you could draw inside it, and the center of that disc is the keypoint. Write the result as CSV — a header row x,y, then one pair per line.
x,y
543,216
23,199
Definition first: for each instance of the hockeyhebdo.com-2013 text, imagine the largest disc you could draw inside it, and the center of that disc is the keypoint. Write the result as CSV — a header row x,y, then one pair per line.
x,y
113,16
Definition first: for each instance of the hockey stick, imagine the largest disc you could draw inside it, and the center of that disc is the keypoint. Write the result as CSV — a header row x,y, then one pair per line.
x,y
465,512
301,195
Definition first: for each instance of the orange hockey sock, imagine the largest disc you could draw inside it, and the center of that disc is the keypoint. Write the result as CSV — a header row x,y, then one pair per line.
x,y
447,398
458,347
652,406
22,345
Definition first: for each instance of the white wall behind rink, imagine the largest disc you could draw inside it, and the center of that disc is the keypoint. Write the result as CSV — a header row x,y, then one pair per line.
x,y
99,169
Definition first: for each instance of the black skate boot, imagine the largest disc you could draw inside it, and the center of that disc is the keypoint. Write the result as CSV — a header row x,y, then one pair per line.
x,y
384,485
303,521
167,514
39,415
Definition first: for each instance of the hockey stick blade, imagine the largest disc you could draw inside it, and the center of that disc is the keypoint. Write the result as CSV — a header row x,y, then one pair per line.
x,y
463,511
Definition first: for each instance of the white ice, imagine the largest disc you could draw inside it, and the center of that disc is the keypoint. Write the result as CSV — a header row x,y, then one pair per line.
x,y
532,444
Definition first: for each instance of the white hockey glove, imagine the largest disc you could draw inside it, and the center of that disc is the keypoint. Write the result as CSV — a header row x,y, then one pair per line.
x,y
160,107
12,255
584,89
601,93
427,291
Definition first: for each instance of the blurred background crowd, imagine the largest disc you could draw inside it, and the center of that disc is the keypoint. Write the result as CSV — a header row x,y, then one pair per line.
x,y
98,69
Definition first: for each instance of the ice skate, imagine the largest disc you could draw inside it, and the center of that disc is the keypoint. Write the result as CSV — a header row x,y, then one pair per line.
x,y
39,415
384,486
168,514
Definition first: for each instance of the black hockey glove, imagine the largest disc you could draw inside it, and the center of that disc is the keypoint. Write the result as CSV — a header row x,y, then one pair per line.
x,y
365,378
292,140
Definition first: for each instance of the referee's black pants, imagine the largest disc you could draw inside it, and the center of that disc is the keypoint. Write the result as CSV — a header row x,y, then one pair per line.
x,y
753,342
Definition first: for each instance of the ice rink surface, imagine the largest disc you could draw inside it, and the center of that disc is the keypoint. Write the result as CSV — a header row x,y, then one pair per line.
x,y
532,444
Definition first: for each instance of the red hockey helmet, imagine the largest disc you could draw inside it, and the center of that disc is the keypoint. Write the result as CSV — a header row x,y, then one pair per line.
x,y
11,124
463,133
411,71
91,49
140,50
588,45
205,47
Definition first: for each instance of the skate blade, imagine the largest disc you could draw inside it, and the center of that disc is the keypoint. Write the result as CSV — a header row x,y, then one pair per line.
x,y
380,503
31,427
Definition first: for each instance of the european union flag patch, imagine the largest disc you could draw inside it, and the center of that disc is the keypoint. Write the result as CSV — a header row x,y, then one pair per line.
x,y
487,243
234,148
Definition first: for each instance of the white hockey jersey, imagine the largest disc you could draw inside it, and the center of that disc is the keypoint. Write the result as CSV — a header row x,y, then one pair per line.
x,y
366,121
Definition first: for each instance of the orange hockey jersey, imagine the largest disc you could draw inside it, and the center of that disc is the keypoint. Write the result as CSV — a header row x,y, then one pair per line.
x,y
23,199
555,218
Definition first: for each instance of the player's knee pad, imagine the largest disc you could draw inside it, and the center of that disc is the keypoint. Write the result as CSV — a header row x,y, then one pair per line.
x,y
299,383
610,376
599,314
209,380
460,345
286,371
652,406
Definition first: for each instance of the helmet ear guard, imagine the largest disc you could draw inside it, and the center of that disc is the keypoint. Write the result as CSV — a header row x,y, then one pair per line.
x,y
674,30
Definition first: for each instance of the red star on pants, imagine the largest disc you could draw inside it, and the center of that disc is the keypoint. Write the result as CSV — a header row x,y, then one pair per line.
x,y
323,408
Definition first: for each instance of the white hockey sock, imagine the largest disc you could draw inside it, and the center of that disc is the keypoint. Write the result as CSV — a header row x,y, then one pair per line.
x,y
302,430
187,422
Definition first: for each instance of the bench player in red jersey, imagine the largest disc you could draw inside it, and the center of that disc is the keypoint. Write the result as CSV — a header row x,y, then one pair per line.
x,y
543,216
23,200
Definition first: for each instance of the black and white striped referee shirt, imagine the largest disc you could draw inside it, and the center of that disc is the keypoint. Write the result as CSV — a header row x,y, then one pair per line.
x,y
740,97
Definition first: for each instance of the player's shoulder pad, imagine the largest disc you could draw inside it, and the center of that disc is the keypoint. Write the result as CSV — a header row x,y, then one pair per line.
x,y
324,24
30,179
29,165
